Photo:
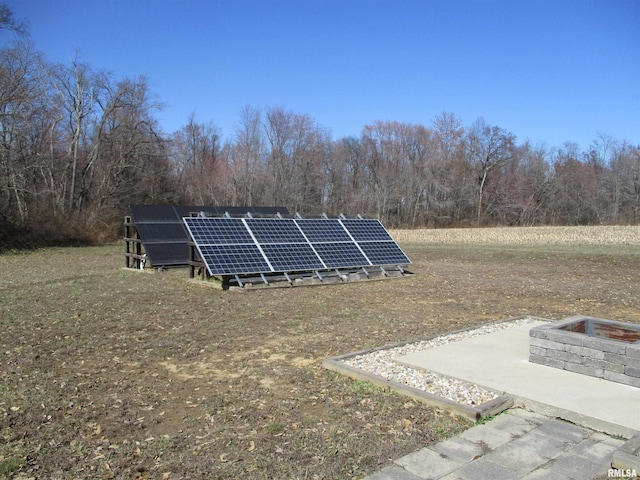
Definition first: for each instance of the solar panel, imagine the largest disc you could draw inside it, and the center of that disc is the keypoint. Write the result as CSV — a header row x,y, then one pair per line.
x,y
292,257
233,259
323,230
384,253
275,230
220,232
341,255
366,230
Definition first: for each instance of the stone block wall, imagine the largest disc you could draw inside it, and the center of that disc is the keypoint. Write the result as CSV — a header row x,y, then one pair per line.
x,y
576,352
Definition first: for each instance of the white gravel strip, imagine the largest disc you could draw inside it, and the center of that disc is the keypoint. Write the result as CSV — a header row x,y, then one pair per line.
x,y
383,363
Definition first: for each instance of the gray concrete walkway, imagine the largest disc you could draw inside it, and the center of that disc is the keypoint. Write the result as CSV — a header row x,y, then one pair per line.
x,y
516,444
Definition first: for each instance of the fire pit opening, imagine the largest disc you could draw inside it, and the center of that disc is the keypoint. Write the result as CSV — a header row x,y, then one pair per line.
x,y
590,346
594,327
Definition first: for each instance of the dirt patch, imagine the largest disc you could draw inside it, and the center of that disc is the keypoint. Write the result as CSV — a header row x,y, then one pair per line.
x,y
113,374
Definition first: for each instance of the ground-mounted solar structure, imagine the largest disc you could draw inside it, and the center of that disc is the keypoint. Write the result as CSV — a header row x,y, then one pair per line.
x,y
156,235
263,251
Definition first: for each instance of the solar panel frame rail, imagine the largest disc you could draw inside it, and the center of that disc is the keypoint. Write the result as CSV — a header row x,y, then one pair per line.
x,y
296,250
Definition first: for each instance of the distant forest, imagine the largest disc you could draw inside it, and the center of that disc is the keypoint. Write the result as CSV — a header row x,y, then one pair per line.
x,y
78,145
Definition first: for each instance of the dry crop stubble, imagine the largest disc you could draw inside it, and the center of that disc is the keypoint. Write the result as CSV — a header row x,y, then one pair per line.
x,y
114,374
523,236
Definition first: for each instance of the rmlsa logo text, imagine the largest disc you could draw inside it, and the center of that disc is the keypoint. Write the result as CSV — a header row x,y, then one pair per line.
x,y
622,473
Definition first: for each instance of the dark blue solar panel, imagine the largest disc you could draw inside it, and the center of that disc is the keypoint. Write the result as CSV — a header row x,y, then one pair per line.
x,y
323,230
233,259
217,231
292,257
275,230
366,230
341,255
384,253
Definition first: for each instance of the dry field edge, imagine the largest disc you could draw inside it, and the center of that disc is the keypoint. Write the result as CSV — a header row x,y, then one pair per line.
x,y
113,374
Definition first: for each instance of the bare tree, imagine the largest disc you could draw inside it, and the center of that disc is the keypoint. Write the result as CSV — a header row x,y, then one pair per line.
x,y
449,133
199,162
77,97
294,164
621,183
247,159
127,162
23,106
8,22
489,148
574,189
345,181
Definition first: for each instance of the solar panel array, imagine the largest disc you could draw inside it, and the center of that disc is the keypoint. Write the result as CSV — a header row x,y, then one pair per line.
x,y
240,246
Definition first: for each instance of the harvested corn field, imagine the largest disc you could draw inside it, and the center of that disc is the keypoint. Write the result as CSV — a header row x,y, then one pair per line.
x,y
582,235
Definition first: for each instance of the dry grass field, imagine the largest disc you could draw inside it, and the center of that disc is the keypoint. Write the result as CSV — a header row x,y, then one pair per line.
x,y
113,374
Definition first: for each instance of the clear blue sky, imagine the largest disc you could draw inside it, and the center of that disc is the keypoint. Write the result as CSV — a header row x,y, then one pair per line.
x,y
546,70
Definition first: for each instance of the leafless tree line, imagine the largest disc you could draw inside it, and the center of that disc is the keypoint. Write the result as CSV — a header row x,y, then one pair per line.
x,y
77,146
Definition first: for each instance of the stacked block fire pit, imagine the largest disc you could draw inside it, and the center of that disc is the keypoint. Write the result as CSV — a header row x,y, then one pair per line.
x,y
590,346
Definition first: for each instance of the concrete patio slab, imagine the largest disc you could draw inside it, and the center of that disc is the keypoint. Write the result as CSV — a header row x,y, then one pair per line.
x,y
499,361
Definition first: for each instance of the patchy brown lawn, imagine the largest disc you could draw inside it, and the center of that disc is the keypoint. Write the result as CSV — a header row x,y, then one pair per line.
x,y
108,373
